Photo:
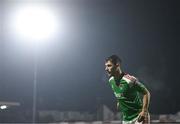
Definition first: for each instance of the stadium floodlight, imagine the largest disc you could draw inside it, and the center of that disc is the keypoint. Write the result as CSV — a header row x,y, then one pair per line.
x,y
34,22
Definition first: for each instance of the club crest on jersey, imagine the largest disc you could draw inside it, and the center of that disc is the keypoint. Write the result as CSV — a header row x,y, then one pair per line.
x,y
130,78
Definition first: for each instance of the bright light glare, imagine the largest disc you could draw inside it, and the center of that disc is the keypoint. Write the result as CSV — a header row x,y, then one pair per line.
x,y
35,22
3,107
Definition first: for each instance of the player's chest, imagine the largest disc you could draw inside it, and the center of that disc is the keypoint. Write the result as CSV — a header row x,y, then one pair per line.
x,y
120,87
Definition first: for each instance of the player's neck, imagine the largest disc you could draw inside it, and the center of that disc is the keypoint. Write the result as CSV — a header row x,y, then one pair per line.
x,y
118,77
118,74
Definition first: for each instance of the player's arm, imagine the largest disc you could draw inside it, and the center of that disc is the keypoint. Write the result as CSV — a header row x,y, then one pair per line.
x,y
146,99
146,95
144,115
142,89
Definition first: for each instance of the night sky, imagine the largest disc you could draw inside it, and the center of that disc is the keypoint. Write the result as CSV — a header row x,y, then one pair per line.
x,y
70,67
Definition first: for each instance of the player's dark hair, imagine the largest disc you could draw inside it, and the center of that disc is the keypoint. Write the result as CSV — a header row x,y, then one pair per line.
x,y
114,59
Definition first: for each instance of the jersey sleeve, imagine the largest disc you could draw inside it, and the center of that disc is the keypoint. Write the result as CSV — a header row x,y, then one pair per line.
x,y
139,86
135,83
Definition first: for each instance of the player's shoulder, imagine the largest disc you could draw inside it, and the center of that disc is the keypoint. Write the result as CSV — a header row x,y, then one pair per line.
x,y
129,78
111,78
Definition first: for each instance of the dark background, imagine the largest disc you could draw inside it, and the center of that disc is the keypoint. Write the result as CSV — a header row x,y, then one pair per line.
x,y
70,76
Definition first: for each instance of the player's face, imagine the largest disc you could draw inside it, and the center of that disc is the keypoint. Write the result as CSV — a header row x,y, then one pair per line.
x,y
110,68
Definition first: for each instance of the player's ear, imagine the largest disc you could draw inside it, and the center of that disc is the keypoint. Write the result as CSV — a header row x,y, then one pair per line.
x,y
117,65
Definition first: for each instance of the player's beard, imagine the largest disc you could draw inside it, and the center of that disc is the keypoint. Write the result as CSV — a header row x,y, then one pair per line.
x,y
110,73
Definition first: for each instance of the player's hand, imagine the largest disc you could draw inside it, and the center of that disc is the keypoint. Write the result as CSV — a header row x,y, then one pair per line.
x,y
142,116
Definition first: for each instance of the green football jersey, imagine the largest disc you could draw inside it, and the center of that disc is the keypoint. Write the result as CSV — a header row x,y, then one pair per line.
x,y
127,91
